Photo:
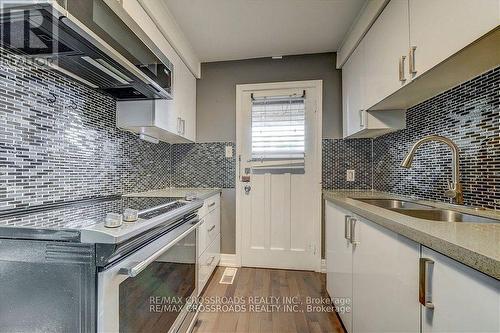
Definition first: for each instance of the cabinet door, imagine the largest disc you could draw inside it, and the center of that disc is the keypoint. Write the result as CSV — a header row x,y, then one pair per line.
x,y
385,280
385,43
464,299
185,100
440,28
353,91
338,253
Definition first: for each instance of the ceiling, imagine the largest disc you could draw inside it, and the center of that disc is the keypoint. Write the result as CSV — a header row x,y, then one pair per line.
x,y
241,29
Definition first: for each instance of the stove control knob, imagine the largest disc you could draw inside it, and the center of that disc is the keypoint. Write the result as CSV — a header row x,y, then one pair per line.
x,y
113,220
130,215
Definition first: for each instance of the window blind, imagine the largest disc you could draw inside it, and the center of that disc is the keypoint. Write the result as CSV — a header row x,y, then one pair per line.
x,y
278,128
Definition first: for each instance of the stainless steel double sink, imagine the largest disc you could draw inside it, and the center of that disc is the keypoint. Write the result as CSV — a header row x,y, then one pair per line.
x,y
426,212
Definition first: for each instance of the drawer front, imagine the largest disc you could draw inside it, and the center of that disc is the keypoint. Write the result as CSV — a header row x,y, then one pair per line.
x,y
212,222
207,263
209,205
202,237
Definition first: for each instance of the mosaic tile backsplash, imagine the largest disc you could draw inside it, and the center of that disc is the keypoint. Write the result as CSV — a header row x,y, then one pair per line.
x,y
469,114
203,165
70,148
342,155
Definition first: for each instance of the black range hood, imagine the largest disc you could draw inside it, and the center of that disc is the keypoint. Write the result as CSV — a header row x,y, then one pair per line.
x,y
89,42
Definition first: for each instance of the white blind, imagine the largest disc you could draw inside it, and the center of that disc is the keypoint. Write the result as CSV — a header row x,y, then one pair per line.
x,y
278,128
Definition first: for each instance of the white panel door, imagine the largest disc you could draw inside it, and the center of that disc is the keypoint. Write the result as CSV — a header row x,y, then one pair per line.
x,y
440,28
279,211
385,280
338,253
385,43
464,299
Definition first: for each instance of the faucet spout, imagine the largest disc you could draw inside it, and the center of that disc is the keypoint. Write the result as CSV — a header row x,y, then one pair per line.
x,y
455,189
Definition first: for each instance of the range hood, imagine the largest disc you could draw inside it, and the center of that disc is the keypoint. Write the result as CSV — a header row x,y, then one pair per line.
x,y
86,40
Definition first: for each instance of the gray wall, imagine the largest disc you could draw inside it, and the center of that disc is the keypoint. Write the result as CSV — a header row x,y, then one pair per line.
x,y
216,91
216,106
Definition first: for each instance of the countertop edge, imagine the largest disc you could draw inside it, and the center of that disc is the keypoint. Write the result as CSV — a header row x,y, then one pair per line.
x,y
169,192
475,260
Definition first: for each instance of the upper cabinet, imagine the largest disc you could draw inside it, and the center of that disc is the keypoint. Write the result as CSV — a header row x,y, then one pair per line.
x,y
353,91
167,120
414,50
386,46
439,29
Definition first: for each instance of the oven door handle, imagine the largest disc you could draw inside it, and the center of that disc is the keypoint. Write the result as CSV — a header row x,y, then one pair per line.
x,y
139,267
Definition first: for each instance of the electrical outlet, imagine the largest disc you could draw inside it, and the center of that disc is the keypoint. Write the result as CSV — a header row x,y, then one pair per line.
x,y
229,152
351,175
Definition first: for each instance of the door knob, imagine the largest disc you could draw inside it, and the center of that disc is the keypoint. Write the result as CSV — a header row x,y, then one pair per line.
x,y
247,189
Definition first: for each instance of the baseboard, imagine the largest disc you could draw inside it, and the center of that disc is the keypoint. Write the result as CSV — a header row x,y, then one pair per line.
x,y
323,266
228,260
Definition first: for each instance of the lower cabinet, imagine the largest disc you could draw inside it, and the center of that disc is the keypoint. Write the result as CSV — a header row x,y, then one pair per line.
x,y
385,280
458,298
208,240
398,285
338,255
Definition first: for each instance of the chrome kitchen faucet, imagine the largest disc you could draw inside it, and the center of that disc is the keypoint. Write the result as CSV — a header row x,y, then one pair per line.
x,y
454,191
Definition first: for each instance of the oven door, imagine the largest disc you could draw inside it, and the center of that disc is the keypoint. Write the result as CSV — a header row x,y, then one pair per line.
x,y
151,290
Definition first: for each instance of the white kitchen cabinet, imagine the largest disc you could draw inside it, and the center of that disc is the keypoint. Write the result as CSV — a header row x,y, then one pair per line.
x,y
172,120
441,28
338,253
180,112
375,269
357,121
463,299
353,92
208,243
360,73
385,280
398,285
386,49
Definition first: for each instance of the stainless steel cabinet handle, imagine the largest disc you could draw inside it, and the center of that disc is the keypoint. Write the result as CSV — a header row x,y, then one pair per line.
x,y
211,205
402,69
347,228
179,120
353,221
139,267
183,126
424,295
412,60
210,261
211,228
362,118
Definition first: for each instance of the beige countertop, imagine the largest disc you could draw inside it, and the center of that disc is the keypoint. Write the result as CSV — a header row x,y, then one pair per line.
x,y
474,244
175,192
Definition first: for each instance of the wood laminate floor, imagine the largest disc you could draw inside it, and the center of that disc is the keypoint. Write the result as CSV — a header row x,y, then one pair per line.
x,y
258,285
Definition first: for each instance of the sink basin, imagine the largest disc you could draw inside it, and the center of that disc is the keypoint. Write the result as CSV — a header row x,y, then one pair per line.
x,y
394,203
426,212
444,215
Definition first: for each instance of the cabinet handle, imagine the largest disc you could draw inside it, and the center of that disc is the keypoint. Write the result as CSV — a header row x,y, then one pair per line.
x,y
183,122
347,228
402,69
353,231
362,118
412,60
424,296
211,228
179,120
211,205
210,261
